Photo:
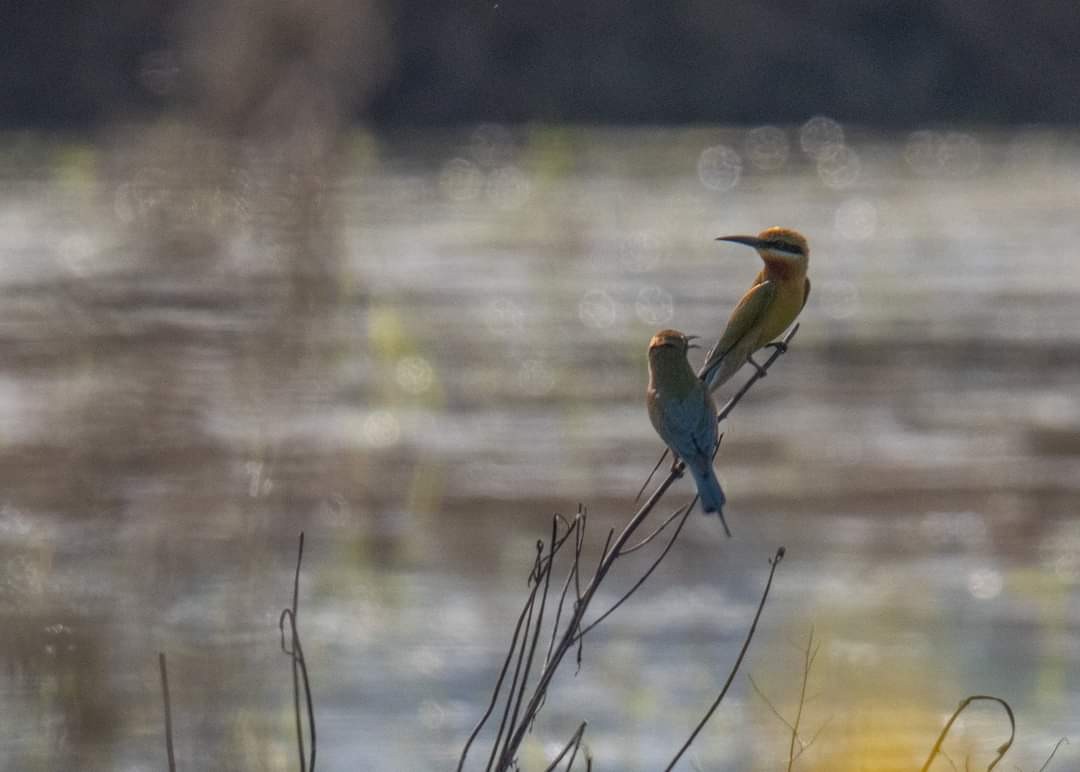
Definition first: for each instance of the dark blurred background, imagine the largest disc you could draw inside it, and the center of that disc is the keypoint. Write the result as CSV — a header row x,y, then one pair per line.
x,y
883,64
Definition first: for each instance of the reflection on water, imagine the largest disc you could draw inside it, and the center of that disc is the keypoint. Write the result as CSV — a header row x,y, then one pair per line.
x,y
419,349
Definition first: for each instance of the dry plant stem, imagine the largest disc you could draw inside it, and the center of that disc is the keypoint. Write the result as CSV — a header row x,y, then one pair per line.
x,y
504,723
648,572
572,575
168,712
1001,751
569,636
1053,753
571,747
516,721
502,676
536,630
779,556
656,531
299,668
809,656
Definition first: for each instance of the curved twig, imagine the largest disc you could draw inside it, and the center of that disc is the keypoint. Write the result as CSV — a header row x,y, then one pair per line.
x,y
1002,749
656,532
299,668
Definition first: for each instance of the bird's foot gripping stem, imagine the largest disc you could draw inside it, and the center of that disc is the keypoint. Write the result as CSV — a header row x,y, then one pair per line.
x,y
678,468
780,346
761,371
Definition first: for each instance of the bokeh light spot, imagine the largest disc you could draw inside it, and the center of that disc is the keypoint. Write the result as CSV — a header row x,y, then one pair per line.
x,y
414,374
597,309
654,306
840,169
821,137
719,168
767,147
638,252
985,583
381,429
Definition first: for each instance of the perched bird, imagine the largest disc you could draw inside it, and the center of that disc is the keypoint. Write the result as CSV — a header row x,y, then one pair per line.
x,y
683,414
767,309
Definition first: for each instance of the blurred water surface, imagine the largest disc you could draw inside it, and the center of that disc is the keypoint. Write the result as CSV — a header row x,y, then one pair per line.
x,y
419,347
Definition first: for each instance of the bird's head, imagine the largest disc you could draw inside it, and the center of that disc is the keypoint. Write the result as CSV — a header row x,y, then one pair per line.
x,y
671,340
776,245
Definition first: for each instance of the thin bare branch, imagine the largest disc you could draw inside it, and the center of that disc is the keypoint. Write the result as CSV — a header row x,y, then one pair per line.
x,y
1002,749
768,703
168,712
656,532
806,745
779,556
808,661
505,727
570,747
778,351
571,576
643,577
652,474
499,681
536,636
299,668
1058,744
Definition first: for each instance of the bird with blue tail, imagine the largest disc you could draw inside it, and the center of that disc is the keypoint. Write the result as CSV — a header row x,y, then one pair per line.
x,y
683,413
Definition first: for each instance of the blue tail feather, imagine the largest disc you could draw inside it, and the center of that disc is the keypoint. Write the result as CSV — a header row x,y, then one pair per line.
x,y
709,490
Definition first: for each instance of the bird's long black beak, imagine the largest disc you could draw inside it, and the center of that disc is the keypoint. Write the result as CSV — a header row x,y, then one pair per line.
x,y
750,241
690,343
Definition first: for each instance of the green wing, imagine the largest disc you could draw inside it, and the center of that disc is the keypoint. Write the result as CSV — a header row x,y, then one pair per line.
x,y
745,319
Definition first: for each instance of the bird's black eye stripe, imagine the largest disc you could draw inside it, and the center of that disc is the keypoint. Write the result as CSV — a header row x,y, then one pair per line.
x,y
783,246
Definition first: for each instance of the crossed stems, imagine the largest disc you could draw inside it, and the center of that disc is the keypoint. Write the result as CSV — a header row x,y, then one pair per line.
x,y
516,722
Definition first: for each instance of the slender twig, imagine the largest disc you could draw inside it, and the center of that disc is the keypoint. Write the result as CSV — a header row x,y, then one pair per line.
x,y
505,727
1002,749
299,668
536,637
808,662
952,764
773,563
571,575
1057,745
768,703
778,351
570,747
652,474
656,531
168,712
641,580
499,681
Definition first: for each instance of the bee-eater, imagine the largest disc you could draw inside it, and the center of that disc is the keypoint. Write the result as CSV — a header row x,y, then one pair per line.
x,y
768,308
683,414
